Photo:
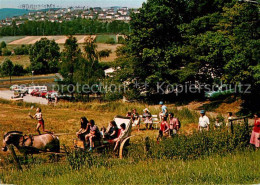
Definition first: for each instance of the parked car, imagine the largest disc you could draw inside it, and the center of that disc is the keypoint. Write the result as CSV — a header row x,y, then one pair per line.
x,y
43,94
40,88
14,87
219,91
52,94
34,91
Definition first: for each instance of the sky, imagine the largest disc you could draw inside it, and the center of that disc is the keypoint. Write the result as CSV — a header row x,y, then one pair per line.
x,y
66,3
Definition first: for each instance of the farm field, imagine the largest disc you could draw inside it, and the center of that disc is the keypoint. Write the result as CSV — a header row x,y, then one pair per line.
x,y
8,39
59,39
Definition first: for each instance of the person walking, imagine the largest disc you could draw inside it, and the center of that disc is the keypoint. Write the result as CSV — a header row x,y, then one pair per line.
x,y
203,121
255,136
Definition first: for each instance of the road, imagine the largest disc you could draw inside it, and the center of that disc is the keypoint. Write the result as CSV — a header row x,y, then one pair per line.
x,y
7,94
29,78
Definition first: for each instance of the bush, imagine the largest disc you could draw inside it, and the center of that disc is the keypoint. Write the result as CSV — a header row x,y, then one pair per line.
x,y
110,41
104,53
6,52
201,144
18,70
23,50
3,44
121,40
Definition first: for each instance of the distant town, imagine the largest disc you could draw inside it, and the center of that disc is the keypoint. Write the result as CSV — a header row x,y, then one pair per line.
x,y
67,14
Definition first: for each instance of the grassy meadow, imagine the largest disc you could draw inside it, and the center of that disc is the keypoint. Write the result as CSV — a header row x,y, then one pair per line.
x,y
209,158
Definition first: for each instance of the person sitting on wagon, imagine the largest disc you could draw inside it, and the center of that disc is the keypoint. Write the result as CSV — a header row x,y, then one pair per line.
x,y
93,135
84,128
173,126
112,131
163,128
129,114
135,118
121,136
147,118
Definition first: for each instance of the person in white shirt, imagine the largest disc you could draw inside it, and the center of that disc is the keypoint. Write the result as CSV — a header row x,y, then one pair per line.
x,y
203,121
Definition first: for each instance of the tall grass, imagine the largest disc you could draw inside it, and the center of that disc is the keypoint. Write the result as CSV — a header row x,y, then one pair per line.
x,y
238,168
185,115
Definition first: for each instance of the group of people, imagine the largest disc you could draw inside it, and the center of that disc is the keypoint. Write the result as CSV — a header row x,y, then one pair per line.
x,y
204,122
170,125
136,119
89,133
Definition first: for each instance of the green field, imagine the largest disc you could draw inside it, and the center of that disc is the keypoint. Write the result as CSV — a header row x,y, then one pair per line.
x,y
105,38
9,39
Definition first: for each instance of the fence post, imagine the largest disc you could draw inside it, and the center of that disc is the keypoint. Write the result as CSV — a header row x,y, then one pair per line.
x,y
17,162
231,126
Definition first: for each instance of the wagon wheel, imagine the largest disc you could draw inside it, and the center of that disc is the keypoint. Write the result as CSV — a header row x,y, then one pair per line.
x,y
124,143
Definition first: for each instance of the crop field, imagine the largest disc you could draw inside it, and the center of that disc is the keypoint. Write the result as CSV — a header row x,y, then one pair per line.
x,y
9,39
60,39
105,38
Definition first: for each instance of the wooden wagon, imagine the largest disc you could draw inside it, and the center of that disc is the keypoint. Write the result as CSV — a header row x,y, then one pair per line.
x,y
108,144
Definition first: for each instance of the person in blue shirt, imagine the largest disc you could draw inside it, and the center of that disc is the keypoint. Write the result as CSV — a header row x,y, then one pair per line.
x,y
164,112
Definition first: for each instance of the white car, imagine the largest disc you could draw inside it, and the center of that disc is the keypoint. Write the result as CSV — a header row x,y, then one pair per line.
x,y
14,87
40,88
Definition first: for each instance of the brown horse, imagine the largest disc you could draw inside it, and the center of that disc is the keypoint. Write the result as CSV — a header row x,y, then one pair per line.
x,y
31,144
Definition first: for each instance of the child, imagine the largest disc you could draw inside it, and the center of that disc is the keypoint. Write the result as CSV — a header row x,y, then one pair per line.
x,y
163,127
173,125
218,124
38,116
122,134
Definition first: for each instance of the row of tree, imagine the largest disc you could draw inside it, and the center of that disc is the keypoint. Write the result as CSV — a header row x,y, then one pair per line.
x,y
77,26
7,68
184,42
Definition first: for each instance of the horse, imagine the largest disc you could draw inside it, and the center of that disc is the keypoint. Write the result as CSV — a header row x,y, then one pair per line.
x,y
28,144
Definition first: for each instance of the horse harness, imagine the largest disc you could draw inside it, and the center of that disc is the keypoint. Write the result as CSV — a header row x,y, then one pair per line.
x,y
25,139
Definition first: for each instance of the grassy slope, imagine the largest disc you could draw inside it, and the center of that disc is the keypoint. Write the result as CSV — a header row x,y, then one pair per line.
x,y
21,59
237,168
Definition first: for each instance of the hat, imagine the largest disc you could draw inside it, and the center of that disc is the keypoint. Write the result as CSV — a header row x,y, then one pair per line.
x,y
202,111
161,103
146,109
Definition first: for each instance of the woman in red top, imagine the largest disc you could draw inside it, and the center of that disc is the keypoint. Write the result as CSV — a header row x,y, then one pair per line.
x,y
163,127
256,132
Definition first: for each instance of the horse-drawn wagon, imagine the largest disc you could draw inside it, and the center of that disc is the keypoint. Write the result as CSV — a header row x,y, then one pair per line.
x,y
101,145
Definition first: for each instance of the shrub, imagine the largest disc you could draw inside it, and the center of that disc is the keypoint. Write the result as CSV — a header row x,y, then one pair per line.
x,y
6,52
104,53
201,144
18,70
23,50
3,44
110,41
121,40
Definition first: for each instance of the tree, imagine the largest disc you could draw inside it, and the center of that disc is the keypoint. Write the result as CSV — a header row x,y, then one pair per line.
x,y
104,53
70,57
44,56
2,45
6,52
8,68
18,70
